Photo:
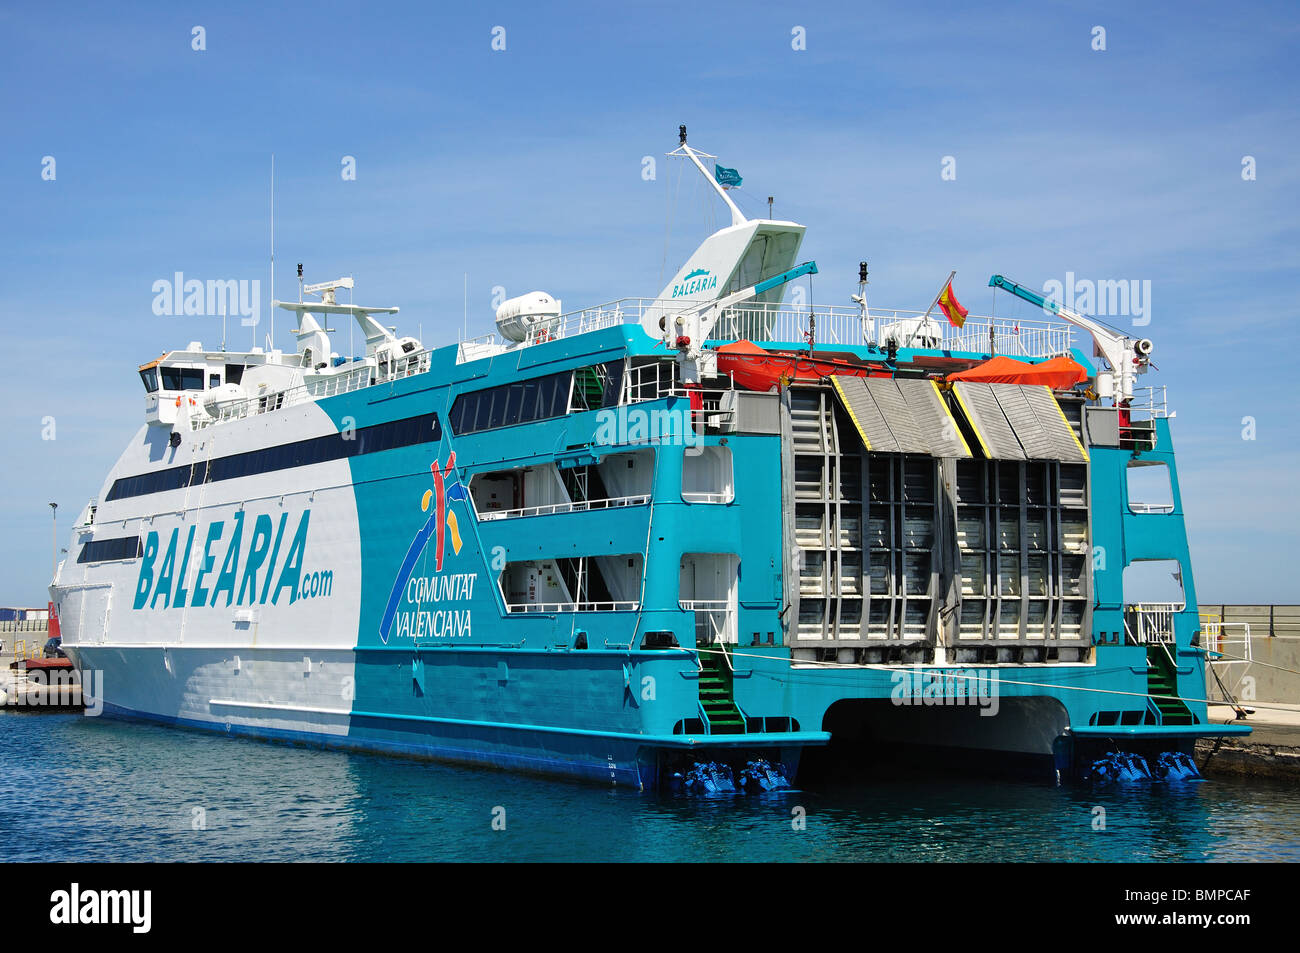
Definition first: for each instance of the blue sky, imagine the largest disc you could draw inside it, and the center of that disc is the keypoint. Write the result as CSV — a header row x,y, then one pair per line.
x,y
522,169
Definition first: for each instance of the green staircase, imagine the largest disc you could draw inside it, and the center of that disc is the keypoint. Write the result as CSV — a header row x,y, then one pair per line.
x,y
588,384
1162,680
716,697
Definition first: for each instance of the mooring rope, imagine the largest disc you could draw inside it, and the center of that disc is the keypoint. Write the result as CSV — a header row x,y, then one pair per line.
x,y
1001,680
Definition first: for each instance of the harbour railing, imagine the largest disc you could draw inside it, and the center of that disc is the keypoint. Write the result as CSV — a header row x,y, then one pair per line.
x,y
828,325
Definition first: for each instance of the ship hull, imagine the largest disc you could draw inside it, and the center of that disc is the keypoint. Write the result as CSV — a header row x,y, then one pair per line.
x,y
271,696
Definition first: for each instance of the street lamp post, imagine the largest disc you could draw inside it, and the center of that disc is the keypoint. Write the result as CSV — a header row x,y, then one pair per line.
x,y
54,541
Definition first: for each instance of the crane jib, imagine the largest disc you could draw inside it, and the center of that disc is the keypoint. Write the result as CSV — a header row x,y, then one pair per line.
x,y
807,268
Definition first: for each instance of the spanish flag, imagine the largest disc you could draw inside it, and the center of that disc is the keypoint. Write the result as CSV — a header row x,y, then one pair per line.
x,y
955,313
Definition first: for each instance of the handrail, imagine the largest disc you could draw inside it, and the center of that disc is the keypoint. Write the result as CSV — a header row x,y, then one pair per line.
x,y
577,506
1152,400
705,611
834,324
1218,654
692,496
327,385
560,607
1154,622
1151,507
1213,630
704,717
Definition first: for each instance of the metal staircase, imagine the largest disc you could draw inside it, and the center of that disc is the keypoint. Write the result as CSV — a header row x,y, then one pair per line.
x,y
716,694
1162,682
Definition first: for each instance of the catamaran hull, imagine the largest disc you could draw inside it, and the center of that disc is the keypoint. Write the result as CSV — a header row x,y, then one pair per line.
x,y
289,696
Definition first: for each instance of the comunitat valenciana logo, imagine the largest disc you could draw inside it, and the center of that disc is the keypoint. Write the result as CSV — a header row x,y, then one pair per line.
x,y
695,282
440,523
267,568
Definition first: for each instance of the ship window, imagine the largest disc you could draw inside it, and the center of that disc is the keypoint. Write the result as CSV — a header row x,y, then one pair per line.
x,y
613,377
514,401
560,399
458,415
498,415
397,433
100,550
182,378
545,398
483,418
234,373
528,404
214,381
522,402
150,378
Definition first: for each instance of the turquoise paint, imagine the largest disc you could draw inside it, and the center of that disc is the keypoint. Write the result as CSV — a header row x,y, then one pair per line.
x,y
490,696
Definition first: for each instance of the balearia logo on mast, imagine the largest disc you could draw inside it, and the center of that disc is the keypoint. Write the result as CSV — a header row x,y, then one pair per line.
x,y
697,281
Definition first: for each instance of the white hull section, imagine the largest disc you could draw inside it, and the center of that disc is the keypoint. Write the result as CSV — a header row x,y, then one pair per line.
x,y
263,691
253,562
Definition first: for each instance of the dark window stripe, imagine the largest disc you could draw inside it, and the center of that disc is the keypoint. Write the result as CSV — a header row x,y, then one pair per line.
x,y
388,436
99,550
539,398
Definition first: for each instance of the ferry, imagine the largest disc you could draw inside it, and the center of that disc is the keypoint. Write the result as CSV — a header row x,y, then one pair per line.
x,y
685,538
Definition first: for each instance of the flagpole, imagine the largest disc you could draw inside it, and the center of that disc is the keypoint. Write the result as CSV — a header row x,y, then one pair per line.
x,y
951,275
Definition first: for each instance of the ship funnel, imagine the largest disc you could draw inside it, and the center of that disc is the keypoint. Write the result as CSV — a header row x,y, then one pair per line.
x,y
730,259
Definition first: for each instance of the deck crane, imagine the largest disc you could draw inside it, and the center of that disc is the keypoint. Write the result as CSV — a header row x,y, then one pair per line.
x,y
1127,356
688,329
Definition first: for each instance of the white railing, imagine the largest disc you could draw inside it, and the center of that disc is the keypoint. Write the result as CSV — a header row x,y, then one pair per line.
x,y
833,325
554,607
844,325
1231,640
715,621
367,375
1227,644
1151,507
485,345
657,379
589,319
551,509
1151,623
1151,401
691,496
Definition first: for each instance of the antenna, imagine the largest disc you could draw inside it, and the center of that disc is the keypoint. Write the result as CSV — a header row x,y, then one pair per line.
x,y
737,216
300,282
868,325
272,308
769,206
464,326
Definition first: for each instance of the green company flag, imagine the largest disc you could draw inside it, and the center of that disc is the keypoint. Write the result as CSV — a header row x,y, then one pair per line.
x,y
725,176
